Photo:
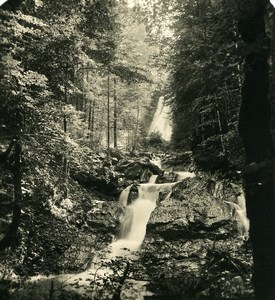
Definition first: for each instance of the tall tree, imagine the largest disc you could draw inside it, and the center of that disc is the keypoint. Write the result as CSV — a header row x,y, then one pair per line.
x,y
108,110
255,130
115,114
204,79
43,49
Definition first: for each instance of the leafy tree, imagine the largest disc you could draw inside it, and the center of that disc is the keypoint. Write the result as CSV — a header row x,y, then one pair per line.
x,y
205,78
45,91
22,91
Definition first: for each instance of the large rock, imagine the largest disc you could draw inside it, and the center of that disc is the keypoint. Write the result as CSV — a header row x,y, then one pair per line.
x,y
193,210
138,169
104,179
102,215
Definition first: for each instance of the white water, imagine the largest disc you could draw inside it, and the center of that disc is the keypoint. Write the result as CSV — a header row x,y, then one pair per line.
x,y
161,122
153,178
241,216
241,201
136,219
156,161
182,175
133,227
124,196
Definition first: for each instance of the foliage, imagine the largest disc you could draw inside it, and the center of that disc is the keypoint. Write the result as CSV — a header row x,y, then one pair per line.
x,y
205,78
155,142
201,53
55,65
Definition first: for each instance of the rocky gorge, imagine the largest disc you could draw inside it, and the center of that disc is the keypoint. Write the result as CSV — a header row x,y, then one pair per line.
x,y
196,245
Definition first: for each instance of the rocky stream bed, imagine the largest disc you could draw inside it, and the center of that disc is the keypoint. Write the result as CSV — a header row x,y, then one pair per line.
x,y
195,246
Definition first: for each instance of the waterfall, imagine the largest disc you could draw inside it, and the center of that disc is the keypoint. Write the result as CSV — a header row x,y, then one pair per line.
x,y
123,198
242,220
153,178
133,227
241,201
161,121
131,236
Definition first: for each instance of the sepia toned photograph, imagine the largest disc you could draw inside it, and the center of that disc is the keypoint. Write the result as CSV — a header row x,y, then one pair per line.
x,y
137,149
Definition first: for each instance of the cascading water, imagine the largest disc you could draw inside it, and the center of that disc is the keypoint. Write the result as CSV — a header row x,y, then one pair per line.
x,y
241,201
242,220
123,198
133,227
153,178
161,122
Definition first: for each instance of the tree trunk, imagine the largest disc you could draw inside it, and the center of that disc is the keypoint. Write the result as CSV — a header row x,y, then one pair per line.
x,y
115,115
255,131
82,92
65,128
64,117
10,237
84,96
90,116
93,120
108,111
272,79
136,128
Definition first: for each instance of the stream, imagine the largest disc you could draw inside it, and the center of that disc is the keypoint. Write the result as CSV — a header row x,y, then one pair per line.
x,y
172,246
125,247
130,238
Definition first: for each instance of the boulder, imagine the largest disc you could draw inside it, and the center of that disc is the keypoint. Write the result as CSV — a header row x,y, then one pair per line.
x,y
167,177
138,169
104,180
192,212
102,215
134,171
133,195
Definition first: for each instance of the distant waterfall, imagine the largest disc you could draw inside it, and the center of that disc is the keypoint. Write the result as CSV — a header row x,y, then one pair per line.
x,y
161,122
